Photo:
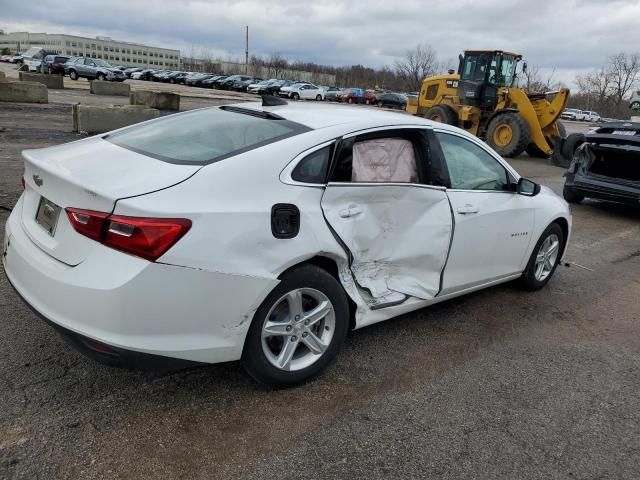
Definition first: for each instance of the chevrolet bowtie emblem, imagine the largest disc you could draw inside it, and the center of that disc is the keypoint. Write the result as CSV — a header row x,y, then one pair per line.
x,y
38,180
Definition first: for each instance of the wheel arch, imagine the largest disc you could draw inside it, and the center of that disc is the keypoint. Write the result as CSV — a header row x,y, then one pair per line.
x,y
329,265
564,226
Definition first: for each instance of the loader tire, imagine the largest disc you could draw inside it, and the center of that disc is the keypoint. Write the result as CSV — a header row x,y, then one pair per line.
x,y
571,144
442,114
508,134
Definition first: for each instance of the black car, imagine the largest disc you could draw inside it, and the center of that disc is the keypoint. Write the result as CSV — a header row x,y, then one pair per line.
x,y
146,74
196,80
176,77
210,82
227,84
241,85
605,164
54,64
392,100
130,70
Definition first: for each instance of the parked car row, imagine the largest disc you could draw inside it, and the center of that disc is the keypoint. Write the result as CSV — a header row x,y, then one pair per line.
x,y
11,58
580,115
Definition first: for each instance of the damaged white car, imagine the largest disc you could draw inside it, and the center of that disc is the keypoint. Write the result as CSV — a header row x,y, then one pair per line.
x,y
263,233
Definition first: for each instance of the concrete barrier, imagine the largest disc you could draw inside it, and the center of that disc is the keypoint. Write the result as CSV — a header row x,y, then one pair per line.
x,y
50,81
635,118
3,78
25,92
103,118
103,87
159,100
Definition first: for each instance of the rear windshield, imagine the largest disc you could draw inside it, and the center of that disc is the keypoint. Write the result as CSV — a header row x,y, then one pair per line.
x,y
204,136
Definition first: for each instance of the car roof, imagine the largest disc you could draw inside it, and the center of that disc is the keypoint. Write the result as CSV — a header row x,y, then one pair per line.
x,y
323,115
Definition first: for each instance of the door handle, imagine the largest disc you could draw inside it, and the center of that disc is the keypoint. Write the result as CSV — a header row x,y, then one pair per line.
x,y
350,212
467,209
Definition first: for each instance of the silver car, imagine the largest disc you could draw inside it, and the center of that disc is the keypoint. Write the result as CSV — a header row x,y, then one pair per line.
x,y
92,69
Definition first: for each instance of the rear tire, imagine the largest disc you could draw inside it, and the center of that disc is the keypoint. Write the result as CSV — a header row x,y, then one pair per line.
x,y
318,98
309,286
571,196
442,114
508,134
534,277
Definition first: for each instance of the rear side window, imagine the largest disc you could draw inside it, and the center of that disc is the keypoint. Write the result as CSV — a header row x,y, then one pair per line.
x,y
313,168
204,136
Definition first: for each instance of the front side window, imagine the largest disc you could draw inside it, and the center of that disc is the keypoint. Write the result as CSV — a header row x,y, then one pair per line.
x,y
470,166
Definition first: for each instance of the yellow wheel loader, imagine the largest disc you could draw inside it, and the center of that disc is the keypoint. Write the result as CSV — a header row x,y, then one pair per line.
x,y
481,99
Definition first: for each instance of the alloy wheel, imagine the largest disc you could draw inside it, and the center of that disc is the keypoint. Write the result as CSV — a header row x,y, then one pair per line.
x,y
298,329
547,257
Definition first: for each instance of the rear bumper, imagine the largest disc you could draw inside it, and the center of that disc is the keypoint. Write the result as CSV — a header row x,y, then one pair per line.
x,y
130,304
604,190
110,355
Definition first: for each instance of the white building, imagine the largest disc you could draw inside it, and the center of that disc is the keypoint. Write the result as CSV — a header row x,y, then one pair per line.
x,y
115,52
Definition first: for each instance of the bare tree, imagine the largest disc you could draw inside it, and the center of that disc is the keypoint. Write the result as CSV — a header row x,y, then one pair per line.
x,y
532,79
277,63
624,73
596,87
416,65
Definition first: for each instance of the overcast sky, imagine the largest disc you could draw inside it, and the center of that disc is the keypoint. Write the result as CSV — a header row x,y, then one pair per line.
x,y
572,36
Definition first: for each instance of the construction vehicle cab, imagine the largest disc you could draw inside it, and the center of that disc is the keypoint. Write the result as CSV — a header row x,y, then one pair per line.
x,y
482,98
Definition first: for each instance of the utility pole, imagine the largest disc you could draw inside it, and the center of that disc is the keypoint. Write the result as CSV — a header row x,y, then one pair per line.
x,y
246,51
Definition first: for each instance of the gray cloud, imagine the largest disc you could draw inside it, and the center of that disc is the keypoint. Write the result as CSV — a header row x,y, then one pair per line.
x,y
572,36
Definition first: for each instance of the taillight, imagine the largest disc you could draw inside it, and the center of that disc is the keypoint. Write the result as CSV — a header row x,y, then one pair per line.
x,y
87,222
148,238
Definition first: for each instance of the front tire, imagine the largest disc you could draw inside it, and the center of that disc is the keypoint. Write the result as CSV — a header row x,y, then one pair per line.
x,y
319,98
73,75
298,329
100,76
544,258
508,134
295,96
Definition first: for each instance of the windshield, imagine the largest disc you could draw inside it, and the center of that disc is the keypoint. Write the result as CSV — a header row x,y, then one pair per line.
x,y
32,52
101,63
204,136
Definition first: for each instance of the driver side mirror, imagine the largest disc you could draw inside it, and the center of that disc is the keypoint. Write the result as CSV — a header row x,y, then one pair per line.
x,y
527,187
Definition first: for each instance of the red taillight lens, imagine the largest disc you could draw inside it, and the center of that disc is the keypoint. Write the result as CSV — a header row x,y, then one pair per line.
x,y
148,238
87,222
145,237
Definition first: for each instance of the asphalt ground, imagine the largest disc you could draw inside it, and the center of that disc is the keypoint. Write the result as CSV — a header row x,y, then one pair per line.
x,y
498,384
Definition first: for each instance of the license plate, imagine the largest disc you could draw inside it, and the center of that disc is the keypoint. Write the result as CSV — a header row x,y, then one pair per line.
x,y
624,132
47,215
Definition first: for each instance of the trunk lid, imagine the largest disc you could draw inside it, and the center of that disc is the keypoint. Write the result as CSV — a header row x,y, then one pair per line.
x,y
90,174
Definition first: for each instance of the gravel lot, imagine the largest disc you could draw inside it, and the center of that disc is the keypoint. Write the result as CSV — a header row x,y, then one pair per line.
x,y
498,384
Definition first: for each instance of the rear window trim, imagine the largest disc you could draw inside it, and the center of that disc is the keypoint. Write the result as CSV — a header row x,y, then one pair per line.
x,y
296,129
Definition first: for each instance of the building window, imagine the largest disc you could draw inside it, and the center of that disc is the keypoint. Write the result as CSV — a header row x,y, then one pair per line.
x,y
73,44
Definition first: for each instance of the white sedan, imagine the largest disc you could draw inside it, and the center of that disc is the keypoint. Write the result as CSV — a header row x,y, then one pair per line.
x,y
264,233
307,91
